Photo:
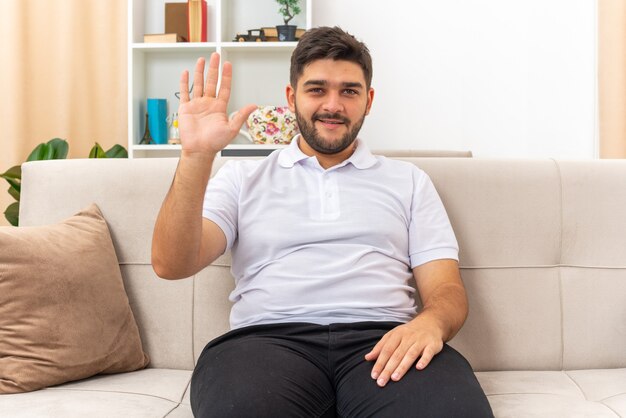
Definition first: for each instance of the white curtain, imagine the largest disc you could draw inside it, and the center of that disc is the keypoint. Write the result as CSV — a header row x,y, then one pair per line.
x,y
63,74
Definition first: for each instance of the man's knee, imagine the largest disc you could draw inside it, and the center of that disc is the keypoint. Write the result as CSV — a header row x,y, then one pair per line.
x,y
257,380
258,395
247,399
446,388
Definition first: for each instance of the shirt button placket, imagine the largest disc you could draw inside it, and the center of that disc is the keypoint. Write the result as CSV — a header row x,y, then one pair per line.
x,y
331,197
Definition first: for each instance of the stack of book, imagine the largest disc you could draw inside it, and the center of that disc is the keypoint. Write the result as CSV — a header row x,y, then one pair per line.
x,y
163,38
184,22
176,19
197,15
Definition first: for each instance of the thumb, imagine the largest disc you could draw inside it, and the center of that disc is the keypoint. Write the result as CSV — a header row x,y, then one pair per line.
x,y
241,116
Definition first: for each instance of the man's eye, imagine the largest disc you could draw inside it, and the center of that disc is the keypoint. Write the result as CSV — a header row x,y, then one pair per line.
x,y
350,92
315,90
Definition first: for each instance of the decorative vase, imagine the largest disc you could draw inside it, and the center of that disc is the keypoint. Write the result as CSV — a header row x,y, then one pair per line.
x,y
286,33
157,111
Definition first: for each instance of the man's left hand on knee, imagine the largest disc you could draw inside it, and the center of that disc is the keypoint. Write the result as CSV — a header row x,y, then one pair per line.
x,y
398,350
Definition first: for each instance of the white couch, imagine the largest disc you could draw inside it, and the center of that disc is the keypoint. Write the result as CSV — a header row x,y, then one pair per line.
x,y
543,257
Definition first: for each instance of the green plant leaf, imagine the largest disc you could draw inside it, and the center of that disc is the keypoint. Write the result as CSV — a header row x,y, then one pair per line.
x,y
117,151
14,172
15,185
13,176
97,152
38,153
60,148
15,193
55,149
12,213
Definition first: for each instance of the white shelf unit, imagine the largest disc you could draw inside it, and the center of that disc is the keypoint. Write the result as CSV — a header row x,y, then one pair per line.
x,y
241,150
260,69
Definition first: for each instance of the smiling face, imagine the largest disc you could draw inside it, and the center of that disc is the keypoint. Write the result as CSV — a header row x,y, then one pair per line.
x,y
331,100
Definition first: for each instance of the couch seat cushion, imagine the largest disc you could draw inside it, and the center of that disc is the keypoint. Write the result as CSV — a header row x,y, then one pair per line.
x,y
144,393
579,393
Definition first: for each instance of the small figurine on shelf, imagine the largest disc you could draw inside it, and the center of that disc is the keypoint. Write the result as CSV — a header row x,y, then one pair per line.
x,y
147,138
254,35
174,136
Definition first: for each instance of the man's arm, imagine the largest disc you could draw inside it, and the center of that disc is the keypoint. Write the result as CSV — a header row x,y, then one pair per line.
x,y
444,312
183,241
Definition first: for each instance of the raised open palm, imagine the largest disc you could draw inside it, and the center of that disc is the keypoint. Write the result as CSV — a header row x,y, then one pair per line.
x,y
203,121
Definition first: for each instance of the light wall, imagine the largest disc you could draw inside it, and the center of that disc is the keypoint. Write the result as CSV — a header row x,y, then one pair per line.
x,y
505,78
502,78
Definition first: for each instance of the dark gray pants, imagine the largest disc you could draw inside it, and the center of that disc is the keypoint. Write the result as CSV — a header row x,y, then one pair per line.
x,y
307,370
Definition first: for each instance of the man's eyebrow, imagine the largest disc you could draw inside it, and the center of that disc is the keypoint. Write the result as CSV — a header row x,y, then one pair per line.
x,y
346,84
315,83
352,84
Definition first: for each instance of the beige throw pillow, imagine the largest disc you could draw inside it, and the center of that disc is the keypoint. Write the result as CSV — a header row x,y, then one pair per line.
x,y
64,313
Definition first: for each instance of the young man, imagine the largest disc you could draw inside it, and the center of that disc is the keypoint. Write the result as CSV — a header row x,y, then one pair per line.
x,y
324,237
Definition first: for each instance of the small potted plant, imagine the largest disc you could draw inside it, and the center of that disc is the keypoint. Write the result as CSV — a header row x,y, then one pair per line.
x,y
288,9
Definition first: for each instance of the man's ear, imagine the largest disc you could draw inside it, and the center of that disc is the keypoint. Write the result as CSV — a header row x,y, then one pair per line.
x,y
291,97
370,99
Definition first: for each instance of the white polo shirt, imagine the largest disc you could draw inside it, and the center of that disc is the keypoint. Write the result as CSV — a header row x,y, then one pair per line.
x,y
326,246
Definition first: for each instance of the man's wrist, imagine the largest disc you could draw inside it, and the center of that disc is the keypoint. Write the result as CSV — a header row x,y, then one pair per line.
x,y
434,322
195,166
202,157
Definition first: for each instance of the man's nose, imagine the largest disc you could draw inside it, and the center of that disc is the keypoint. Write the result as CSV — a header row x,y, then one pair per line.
x,y
333,103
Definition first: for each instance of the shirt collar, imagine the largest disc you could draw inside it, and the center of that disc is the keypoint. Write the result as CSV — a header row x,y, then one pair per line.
x,y
361,158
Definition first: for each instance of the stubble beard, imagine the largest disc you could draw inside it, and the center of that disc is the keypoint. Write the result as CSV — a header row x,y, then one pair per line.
x,y
312,137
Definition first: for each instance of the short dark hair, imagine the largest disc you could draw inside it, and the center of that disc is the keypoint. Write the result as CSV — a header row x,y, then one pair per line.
x,y
329,43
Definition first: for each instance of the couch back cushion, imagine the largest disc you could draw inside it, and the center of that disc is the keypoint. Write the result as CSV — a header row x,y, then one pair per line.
x,y
542,256
593,260
506,215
